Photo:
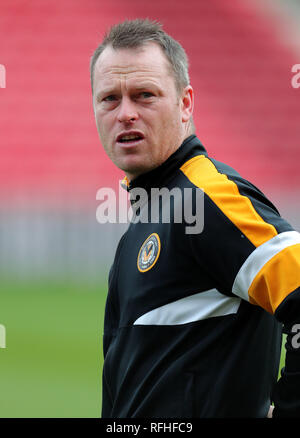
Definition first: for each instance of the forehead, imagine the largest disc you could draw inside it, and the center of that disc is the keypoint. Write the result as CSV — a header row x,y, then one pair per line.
x,y
147,61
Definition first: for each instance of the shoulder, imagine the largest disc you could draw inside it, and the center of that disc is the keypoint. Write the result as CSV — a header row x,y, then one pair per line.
x,y
204,172
239,200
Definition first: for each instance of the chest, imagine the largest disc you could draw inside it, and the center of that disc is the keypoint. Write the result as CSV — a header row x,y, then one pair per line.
x,y
153,266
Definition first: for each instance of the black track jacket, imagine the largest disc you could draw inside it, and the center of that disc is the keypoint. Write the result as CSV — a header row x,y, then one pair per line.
x,y
193,321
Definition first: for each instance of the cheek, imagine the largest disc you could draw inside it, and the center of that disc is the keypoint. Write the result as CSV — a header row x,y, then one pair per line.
x,y
169,122
103,124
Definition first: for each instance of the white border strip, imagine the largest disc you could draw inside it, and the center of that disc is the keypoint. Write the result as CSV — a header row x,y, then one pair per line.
x,y
202,305
258,258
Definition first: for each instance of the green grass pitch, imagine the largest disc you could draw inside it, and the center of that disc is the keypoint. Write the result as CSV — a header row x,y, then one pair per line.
x,y
51,366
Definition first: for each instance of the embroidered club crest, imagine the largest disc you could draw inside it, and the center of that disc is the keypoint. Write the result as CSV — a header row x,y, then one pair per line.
x,y
149,253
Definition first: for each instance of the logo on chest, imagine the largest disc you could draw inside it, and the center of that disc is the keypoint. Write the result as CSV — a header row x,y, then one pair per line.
x,y
149,253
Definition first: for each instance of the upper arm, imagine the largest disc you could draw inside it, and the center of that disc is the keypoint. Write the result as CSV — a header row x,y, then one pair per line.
x,y
249,249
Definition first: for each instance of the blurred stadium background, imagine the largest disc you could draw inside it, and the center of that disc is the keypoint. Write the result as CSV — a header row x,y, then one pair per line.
x,y
54,256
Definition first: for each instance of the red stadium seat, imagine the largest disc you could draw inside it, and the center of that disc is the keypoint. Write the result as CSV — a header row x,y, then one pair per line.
x,y
247,114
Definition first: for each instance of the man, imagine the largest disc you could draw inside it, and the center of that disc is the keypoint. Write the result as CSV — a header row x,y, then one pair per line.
x,y
193,320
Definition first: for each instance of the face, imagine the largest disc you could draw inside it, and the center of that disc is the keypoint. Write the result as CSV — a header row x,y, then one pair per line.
x,y
140,116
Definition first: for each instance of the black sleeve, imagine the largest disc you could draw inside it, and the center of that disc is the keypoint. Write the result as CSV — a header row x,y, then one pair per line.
x,y
234,249
253,253
286,393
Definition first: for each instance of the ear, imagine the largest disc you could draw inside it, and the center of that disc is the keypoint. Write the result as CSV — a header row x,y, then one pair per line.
x,y
187,103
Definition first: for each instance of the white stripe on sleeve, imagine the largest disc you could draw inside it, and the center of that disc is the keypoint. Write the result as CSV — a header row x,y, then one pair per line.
x,y
258,258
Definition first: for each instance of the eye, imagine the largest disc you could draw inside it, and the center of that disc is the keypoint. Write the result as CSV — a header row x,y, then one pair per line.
x,y
109,98
146,94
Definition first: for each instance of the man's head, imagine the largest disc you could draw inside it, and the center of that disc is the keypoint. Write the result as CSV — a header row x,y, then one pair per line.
x,y
141,95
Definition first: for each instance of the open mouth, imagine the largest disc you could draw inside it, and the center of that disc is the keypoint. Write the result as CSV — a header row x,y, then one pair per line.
x,y
130,138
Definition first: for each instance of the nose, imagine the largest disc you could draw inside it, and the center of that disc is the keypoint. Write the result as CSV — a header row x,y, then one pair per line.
x,y
127,111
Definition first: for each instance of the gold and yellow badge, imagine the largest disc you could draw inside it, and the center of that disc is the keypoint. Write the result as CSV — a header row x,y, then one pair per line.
x,y
149,253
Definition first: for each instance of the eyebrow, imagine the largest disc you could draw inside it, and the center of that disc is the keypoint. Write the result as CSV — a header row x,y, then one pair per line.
x,y
144,85
137,87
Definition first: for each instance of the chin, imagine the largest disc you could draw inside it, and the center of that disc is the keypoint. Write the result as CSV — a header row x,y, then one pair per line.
x,y
134,168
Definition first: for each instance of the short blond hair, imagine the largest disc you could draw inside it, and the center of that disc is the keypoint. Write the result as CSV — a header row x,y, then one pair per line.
x,y
135,33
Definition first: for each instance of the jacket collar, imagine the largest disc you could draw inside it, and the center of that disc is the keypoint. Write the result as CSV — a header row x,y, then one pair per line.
x,y
159,176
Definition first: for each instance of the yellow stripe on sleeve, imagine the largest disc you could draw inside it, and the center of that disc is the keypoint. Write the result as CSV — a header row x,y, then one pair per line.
x,y
277,279
225,194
